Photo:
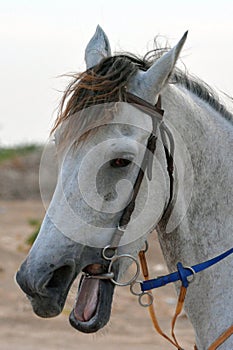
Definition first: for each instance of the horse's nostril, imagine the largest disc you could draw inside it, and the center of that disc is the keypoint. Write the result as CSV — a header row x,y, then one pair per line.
x,y
63,275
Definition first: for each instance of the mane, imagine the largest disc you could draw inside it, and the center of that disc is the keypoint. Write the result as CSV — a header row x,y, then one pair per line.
x,y
107,81
202,90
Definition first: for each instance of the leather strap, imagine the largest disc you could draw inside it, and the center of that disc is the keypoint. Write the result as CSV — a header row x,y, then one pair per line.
x,y
169,148
157,114
153,317
155,111
152,313
223,337
179,307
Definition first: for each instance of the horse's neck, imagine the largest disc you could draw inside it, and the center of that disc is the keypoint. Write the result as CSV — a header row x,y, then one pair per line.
x,y
206,230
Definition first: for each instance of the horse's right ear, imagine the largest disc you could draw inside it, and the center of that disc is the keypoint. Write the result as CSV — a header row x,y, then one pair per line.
x,y
97,48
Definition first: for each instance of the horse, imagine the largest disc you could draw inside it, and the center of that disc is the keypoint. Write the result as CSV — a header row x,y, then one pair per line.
x,y
119,114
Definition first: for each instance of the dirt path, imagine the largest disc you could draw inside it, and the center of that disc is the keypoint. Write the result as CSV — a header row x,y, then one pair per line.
x,y
130,326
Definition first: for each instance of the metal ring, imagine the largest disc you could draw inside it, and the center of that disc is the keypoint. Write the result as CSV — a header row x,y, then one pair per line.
x,y
104,253
132,288
146,247
193,273
150,299
122,229
133,279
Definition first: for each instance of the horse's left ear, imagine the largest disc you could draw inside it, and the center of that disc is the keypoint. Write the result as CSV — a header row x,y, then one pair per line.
x,y
158,74
97,48
149,84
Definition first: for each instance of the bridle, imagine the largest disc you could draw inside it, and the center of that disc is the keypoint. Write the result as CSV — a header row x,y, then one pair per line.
x,y
156,114
185,274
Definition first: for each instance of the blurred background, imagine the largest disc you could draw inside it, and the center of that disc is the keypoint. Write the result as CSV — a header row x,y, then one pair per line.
x,y
40,41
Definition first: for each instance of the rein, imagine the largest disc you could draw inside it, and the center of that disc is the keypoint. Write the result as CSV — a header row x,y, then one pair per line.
x,y
182,274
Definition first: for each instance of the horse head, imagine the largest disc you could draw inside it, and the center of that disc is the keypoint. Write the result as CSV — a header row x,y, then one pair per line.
x,y
101,141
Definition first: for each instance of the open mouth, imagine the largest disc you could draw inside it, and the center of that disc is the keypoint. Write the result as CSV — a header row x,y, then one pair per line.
x,y
92,307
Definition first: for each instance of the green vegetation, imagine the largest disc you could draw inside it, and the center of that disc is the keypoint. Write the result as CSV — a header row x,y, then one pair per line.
x,y
13,152
35,223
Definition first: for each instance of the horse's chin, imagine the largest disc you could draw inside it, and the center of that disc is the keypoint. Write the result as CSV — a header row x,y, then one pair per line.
x,y
92,308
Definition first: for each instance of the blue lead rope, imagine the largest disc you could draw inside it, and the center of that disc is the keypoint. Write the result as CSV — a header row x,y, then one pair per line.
x,y
182,273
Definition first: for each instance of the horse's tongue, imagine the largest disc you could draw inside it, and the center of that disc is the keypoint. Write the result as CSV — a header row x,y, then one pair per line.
x,y
87,299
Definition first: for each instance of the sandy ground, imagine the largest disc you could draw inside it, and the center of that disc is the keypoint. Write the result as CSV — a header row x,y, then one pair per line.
x,y
130,326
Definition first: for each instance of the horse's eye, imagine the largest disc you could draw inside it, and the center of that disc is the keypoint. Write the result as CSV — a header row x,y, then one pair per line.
x,y
120,162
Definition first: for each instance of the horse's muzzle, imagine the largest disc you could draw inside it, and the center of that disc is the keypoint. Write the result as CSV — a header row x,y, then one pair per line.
x,y
48,294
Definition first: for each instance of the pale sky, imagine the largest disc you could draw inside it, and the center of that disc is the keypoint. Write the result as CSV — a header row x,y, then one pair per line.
x,y
40,40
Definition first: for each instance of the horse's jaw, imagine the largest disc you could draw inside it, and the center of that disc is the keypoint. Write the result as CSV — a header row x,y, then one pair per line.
x,y
92,307
46,279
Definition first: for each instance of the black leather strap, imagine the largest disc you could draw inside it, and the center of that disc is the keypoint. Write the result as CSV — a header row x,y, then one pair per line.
x,y
157,116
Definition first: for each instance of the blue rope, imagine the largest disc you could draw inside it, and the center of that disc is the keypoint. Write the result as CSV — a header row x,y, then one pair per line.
x,y
182,273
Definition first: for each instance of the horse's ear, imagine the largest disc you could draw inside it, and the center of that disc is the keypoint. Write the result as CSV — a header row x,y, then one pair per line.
x,y
158,74
97,48
149,84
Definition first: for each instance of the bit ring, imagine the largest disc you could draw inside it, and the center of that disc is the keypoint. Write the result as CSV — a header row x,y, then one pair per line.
x,y
135,276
